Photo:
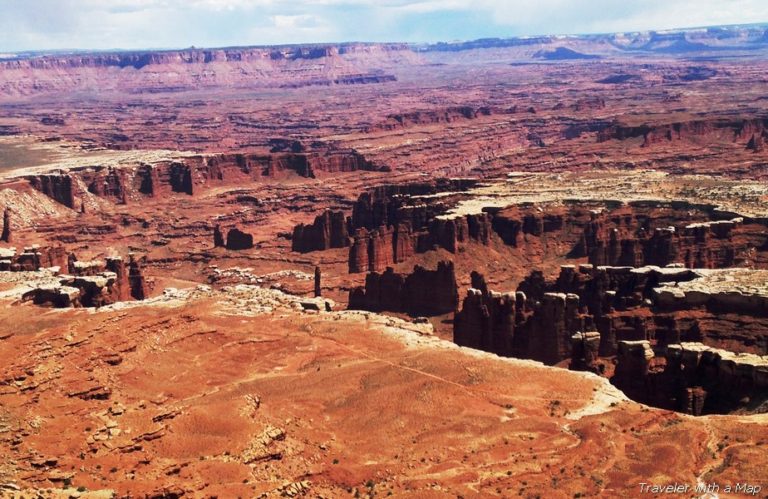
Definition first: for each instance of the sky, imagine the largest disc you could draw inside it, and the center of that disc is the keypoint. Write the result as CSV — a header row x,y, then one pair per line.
x,y
136,24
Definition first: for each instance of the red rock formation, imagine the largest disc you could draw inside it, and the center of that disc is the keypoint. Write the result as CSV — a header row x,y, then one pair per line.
x,y
218,237
6,235
629,238
545,335
318,284
282,66
381,253
486,320
109,184
538,327
329,230
701,380
392,204
77,291
420,293
585,348
632,368
193,174
129,281
372,250
122,285
136,280
589,103
147,180
727,128
433,116
625,304
403,242
181,178
60,188
691,377
33,258
239,240
757,142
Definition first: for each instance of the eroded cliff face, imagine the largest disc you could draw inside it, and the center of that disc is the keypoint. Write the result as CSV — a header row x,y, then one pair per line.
x,y
63,281
423,292
391,227
191,174
636,315
177,70
693,378
487,319
436,116
329,230
736,129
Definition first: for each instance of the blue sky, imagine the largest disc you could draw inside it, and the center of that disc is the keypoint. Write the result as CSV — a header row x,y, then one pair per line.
x,y
106,24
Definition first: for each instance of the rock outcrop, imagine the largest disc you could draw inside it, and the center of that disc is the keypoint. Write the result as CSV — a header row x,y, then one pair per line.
x,y
93,283
6,234
191,174
633,363
516,325
691,377
77,291
606,233
736,129
661,305
423,292
626,242
373,250
486,320
136,280
239,240
318,283
433,116
218,237
61,188
329,230
585,349
33,258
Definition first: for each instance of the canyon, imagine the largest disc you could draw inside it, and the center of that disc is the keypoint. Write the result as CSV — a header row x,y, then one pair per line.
x,y
508,267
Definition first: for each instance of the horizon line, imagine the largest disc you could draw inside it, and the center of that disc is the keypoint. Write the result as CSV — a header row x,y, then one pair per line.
x,y
372,42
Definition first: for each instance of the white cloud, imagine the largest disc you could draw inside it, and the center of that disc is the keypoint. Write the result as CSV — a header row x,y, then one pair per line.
x,y
293,22
175,23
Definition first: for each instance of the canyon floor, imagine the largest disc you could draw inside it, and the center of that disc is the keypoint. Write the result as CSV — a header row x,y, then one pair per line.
x,y
248,272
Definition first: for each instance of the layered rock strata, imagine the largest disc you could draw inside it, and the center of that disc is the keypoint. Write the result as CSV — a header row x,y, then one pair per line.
x,y
329,230
191,174
423,292
93,284
691,377
661,305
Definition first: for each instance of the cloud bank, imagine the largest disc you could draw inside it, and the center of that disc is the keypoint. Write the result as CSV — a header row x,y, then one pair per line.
x,y
128,24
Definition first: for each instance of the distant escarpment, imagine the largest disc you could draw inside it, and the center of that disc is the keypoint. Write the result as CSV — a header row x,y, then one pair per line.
x,y
190,69
434,116
746,131
563,54
191,174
